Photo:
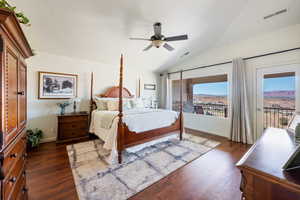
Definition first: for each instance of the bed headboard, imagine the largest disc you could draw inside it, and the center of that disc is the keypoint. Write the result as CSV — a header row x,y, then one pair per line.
x,y
113,92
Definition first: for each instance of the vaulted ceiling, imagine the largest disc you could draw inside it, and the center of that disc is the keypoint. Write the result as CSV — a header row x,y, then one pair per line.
x,y
98,30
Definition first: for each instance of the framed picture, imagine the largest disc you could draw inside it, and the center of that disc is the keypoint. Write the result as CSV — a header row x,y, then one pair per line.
x,y
57,85
149,86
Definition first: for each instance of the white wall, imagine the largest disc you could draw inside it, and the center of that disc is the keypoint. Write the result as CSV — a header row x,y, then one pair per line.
x,y
270,42
42,113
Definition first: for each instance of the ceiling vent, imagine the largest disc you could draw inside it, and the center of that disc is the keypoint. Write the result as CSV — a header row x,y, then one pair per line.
x,y
275,13
185,54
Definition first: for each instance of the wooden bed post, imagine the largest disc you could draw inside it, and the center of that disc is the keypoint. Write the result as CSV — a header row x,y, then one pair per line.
x,y
181,108
120,133
91,100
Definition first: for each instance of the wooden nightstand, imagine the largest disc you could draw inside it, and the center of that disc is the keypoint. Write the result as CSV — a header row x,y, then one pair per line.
x,y
72,126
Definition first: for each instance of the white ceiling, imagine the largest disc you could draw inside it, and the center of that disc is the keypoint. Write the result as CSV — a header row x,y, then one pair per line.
x,y
98,30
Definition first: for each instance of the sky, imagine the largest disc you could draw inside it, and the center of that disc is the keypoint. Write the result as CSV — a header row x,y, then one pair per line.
x,y
270,84
282,83
219,88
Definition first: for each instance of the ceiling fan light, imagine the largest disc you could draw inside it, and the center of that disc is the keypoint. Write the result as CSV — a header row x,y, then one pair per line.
x,y
157,43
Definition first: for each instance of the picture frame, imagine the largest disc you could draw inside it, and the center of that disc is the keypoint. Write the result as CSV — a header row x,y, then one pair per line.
x,y
54,85
149,86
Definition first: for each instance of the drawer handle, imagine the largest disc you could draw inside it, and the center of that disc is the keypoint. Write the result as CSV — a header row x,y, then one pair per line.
x,y
24,173
14,155
13,180
24,190
21,93
25,156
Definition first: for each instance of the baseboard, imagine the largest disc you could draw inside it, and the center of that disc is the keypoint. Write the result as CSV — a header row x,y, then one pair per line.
x,y
50,139
204,134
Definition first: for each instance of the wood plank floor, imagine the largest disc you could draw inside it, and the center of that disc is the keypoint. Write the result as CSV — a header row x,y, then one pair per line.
x,y
210,177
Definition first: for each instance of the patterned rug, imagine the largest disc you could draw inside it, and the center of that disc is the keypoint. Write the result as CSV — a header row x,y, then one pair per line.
x,y
96,180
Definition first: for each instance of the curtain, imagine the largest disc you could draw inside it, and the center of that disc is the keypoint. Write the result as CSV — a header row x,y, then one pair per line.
x,y
241,130
165,92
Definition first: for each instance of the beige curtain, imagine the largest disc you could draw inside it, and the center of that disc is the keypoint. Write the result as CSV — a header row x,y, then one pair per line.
x,y
165,92
241,130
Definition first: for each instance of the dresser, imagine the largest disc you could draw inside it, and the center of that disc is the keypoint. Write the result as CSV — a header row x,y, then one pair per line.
x,y
261,168
72,126
14,49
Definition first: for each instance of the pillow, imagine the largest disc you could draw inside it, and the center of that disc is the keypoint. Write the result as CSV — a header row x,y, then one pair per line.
x,y
137,103
112,105
101,104
127,105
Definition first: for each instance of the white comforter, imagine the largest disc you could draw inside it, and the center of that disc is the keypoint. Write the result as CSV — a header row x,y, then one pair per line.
x,y
104,123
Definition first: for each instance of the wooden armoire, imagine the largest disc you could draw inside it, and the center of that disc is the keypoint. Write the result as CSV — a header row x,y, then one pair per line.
x,y
14,49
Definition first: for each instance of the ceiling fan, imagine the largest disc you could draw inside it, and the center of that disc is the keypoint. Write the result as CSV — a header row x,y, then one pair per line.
x,y
158,39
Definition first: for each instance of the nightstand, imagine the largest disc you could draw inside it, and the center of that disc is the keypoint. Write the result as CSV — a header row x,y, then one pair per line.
x,y
72,126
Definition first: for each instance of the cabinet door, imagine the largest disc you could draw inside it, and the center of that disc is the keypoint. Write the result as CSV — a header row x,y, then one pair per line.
x,y
11,95
21,95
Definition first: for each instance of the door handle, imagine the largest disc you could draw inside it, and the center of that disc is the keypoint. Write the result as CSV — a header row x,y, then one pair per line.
x,y
21,93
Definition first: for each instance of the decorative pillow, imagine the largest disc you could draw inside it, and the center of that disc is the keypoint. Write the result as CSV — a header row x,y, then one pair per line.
x,y
113,105
127,105
137,103
101,104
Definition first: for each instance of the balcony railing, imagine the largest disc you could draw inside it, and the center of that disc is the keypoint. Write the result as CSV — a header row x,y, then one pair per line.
x,y
219,110
277,117
273,116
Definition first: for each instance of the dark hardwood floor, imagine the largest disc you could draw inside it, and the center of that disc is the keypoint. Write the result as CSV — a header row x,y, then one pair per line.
x,y
213,176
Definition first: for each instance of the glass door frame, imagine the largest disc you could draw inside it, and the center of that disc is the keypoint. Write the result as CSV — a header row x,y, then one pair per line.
x,y
260,73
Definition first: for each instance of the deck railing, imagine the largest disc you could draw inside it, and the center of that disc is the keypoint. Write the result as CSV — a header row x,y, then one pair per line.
x,y
220,110
277,117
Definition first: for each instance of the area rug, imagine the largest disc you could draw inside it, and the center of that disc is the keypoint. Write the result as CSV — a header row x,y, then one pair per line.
x,y
96,180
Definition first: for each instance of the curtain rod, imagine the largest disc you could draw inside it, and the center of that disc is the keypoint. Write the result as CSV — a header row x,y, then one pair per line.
x,y
228,62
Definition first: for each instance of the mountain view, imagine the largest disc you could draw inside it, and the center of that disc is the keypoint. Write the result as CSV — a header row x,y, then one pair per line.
x,y
280,99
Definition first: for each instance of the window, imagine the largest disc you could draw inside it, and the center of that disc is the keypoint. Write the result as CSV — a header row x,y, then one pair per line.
x,y
204,95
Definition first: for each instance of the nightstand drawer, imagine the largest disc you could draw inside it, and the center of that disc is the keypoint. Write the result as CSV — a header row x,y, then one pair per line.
x,y
70,119
73,126
68,134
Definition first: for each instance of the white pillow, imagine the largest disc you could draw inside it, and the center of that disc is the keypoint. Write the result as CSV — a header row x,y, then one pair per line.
x,y
137,103
102,103
112,105
127,104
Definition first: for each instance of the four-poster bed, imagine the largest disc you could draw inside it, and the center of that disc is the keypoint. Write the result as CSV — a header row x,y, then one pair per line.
x,y
125,137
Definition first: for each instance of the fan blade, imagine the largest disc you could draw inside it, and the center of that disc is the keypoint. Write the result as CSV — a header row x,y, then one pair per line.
x,y
176,38
157,28
148,47
140,39
168,47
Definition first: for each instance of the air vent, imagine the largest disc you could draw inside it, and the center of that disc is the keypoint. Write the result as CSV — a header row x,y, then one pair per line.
x,y
185,54
276,13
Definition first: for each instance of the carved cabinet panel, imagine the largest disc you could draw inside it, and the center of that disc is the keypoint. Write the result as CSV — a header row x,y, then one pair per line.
x,y
22,93
11,95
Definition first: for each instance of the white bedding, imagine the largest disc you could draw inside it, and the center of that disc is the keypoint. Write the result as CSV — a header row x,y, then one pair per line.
x,y
137,120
